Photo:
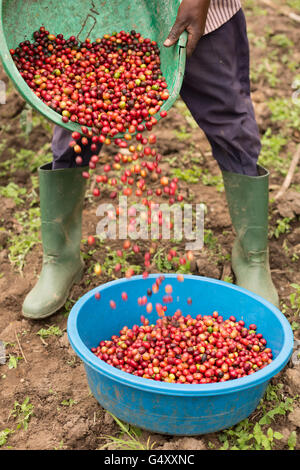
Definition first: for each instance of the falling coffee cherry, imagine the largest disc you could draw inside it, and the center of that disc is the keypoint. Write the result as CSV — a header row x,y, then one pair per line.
x,y
91,240
97,269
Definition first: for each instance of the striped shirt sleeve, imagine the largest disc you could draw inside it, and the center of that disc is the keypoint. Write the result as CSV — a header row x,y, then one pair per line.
x,y
220,11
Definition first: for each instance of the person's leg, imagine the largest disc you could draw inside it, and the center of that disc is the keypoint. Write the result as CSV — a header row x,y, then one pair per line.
x,y
216,89
62,191
61,200
63,155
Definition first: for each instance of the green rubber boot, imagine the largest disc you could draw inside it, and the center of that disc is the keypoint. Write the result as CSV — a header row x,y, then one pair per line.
x,y
61,199
247,198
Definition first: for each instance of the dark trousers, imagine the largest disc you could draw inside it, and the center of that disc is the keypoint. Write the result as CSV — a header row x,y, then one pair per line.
x,y
216,90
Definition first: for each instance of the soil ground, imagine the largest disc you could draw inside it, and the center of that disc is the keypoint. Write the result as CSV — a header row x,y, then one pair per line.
x,y
60,412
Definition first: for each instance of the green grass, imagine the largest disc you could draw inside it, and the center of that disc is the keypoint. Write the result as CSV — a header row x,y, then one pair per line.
x,y
295,298
266,72
182,135
285,112
189,175
14,192
257,41
22,243
22,413
294,304
294,4
19,244
270,156
210,241
25,159
282,40
129,438
251,7
213,180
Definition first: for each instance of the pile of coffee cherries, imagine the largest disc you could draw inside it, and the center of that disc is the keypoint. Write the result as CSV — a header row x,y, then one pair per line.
x,y
113,88
198,349
111,85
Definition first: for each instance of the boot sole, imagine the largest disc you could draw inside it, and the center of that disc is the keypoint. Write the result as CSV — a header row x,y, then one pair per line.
x,y
75,280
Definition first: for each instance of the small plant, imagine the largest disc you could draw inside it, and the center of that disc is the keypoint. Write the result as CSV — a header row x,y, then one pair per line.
x,y
161,261
4,435
295,325
112,259
67,307
53,330
15,192
272,145
281,409
282,40
247,435
293,304
295,298
182,268
22,412
181,134
213,180
257,41
190,175
163,264
284,111
264,441
60,446
292,440
13,361
282,226
266,71
210,240
70,402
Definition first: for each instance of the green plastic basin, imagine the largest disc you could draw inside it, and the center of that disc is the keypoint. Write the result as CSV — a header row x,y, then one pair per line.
x,y
90,18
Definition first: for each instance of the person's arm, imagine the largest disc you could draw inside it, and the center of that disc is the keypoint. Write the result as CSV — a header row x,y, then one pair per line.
x,y
191,17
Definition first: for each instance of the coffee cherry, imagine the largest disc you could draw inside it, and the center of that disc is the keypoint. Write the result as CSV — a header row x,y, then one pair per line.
x,y
91,240
183,349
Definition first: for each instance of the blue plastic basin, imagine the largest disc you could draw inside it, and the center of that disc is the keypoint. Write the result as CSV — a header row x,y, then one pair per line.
x,y
175,409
